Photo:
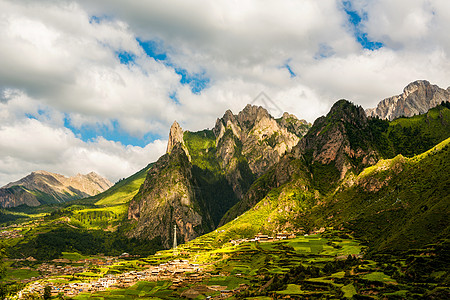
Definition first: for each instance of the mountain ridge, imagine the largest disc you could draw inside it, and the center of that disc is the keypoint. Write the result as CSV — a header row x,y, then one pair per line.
x,y
41,187
227,158
417,98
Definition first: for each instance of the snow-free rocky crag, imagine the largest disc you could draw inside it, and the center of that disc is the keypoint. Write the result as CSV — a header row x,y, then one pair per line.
x,y
203,174
417,98
42,187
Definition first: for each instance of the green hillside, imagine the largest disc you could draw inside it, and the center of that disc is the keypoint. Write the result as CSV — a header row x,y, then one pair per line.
x,y
398,204
414,135
123,191
410,209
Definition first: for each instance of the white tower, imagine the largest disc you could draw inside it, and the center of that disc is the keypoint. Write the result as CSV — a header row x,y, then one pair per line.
x,y
175,253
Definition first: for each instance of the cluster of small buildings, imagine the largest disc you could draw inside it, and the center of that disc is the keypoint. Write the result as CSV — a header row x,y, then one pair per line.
x,y
179,271
265,238
11,234
50,269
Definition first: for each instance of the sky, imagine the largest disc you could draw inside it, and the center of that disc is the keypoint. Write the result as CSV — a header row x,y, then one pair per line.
x,y
94,85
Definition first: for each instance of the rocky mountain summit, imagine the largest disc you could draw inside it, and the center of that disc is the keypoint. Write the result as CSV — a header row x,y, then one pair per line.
x,y
205,173
339,141
45,187
255,137
175,136
417,98
168,197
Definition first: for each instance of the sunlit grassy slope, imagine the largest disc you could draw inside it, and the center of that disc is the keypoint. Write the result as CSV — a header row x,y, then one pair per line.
x,y
123,191
396,204
417,134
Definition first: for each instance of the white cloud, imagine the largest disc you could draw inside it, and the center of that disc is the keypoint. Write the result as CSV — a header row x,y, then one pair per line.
x,y
57,65
39,141
32,145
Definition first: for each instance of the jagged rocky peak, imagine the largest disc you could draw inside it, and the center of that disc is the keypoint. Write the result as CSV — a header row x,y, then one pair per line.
x,y
227,121
241,123
252,114
344,110
417,98
175,136
263,140
340,138
168,197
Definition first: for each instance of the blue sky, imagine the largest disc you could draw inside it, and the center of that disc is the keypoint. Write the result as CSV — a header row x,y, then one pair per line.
x,y
355,19
94,85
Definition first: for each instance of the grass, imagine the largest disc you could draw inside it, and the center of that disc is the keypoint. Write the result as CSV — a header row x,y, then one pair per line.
x,y
231,282
414,135
349,290
201,146
141,290
73,256
292,289
377,276
20,274
123,191
99,218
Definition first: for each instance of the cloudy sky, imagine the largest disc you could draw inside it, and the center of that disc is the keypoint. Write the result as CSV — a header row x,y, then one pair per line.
x,y
94,85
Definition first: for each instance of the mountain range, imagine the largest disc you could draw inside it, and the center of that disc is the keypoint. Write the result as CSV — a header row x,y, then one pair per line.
x,y
42,187
355,169
209,178
203,174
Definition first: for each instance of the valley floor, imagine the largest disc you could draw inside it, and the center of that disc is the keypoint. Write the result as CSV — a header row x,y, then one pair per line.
x,y
326,265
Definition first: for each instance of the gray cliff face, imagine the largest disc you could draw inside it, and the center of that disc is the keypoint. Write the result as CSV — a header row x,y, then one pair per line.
x,y
417,98
342,139
168,198
181,188
261,139
45,187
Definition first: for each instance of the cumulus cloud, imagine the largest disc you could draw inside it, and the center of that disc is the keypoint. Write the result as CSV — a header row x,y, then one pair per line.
x,y
33,145
61,70
32,137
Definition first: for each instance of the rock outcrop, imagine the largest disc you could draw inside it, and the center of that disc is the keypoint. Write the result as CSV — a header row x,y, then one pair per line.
x,y
417,98
340,141
254,138
168,197
45,187
294,125
182,188
175,136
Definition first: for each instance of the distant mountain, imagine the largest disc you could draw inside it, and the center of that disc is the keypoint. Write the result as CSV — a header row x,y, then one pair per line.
x,y
203,174
42,187
417,98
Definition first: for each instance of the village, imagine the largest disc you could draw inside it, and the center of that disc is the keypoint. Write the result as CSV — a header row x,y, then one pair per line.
x,y
265,238
180,271
11,234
